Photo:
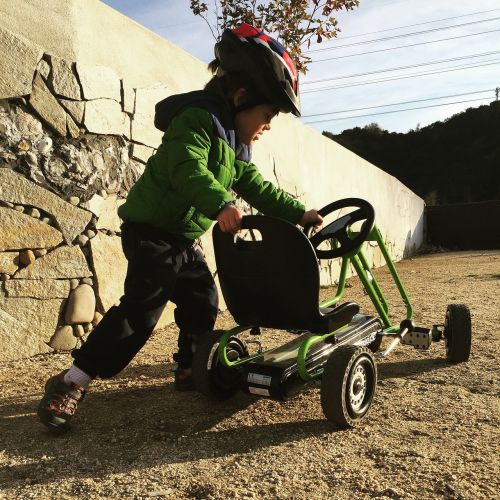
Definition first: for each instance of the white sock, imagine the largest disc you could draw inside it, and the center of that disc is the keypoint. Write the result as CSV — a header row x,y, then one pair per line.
x,y
78,377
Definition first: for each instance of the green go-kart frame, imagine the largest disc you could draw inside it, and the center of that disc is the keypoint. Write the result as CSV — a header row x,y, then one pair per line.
x,y
354,360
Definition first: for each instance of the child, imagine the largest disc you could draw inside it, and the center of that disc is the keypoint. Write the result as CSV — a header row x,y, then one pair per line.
x,y
186,185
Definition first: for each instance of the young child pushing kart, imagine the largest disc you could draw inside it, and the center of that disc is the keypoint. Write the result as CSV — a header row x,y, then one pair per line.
x,y
205,152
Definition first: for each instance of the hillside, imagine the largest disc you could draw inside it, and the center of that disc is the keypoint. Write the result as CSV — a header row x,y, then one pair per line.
x,y
453,161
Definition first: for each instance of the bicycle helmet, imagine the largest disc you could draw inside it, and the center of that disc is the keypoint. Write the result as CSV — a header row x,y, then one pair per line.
x,y
249,50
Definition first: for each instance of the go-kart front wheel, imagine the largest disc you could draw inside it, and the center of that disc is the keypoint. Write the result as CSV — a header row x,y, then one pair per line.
x,y
457,333
211,377
348,385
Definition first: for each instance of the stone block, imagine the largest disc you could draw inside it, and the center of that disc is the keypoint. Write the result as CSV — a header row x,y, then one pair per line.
x,y
20,231
17,189
47,106
63,339
63,80
9,262
108,217
105,116
110,267
18,61
141,153
99,82
63,262
75,108
38,289
128,97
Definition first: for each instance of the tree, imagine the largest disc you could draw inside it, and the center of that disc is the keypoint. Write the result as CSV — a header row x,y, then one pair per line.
x,y
294,22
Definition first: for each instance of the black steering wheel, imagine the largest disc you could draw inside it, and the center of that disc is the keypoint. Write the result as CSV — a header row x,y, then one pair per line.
x,y
338,230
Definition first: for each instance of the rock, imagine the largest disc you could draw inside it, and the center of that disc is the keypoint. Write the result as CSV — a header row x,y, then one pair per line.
x,y
20,231
31,159
26,257
40,252
17,189
26,325
46,105
4,277
82,240
108,218
128,98
63,262
104,116
99,82
74,200
141,152
6,204
73,283
87,327
18,61
33,212
97,318
45,145
19,208
132,173
9,262
73,129
78,331
63,80
23,145
63,339
46,220
38,289
27,124
90,233
81,305
110,266
75,108
94,204
143,129
43,68
87,281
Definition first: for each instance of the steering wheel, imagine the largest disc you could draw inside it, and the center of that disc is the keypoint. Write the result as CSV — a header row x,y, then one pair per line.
x,y
338,229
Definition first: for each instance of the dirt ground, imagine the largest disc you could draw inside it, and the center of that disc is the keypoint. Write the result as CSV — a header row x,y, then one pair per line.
x,y
431,433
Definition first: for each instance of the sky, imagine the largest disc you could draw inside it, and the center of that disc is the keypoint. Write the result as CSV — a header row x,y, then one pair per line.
x,y
381,61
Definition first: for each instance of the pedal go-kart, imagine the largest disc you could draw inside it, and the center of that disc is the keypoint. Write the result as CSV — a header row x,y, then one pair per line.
x,y
272,280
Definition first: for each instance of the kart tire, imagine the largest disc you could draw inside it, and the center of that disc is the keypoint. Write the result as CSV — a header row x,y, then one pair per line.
x,y
457,333
348,385
211,378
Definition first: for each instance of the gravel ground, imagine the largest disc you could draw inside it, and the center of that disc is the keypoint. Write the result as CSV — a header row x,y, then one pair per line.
x,y
431,433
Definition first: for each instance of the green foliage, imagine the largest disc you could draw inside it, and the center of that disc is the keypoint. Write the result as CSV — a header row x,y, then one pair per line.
x,y
454,161
294,22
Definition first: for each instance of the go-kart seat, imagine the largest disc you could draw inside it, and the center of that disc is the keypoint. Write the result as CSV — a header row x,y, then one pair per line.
x,y
273,281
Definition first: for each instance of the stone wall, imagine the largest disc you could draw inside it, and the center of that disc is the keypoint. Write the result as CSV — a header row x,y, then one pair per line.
x,y
76,128
73,140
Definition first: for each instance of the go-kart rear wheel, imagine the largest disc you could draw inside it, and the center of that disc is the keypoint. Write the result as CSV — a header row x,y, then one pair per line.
x,y
211,377
457,333
348,385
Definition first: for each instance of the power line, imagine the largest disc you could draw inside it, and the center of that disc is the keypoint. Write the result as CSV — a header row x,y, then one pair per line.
x,y
398,68
406,46
412,25
397,103
395,111
357,84
403,35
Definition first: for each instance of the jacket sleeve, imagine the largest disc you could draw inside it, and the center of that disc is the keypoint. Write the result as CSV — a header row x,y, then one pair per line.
x,y
188,140
264,196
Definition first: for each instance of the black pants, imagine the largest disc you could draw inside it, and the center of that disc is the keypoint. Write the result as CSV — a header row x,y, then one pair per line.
x,y
160,268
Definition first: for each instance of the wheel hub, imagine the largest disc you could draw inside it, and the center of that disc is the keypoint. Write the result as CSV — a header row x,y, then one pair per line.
x,y
357,387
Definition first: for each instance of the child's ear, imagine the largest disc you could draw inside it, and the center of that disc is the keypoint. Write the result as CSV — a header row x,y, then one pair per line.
x,y
239,97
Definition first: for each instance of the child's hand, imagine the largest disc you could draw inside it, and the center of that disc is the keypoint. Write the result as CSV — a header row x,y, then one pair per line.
x,y
229,219
311,217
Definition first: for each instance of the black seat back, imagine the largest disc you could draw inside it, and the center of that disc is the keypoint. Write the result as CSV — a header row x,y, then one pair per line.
x,y
273,282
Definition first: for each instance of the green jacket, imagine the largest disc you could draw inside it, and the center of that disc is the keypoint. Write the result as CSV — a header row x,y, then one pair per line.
x,y
188,180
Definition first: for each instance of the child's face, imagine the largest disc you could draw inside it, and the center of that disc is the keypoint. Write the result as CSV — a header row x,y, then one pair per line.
x,y
251,123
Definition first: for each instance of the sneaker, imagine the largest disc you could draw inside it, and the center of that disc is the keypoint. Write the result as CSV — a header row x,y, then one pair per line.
x,y
59,403
183,380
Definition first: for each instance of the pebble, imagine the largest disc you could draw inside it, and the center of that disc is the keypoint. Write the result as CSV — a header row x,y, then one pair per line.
x,y
46,220
78,331
23,145
97,318
26,257
88,281
82,240
45,145
31,159
81,305
74,200
40,252
4,277
87,327
34,212
19,208
90,234
73,283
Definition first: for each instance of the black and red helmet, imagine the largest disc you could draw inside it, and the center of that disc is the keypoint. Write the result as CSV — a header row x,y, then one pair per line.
x,y
249,50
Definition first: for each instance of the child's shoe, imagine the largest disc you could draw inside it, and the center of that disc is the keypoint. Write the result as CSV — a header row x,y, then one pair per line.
x,y
59,403
183,380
